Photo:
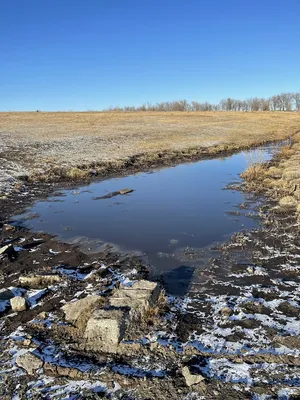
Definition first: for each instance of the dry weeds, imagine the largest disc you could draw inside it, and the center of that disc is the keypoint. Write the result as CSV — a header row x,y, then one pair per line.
x,y
255,172
279,179
52,146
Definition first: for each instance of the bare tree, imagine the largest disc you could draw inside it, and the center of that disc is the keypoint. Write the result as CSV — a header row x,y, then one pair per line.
x,y
296,97
282,102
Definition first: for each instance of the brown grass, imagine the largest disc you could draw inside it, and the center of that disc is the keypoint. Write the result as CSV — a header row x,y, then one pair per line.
x,y
286,151
255,172
279,179
49,146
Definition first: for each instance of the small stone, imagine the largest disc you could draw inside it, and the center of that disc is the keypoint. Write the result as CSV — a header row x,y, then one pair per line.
x,y
226,311
29,362
7,227
191,379
18,303
39,281
26,342
41,315
5,248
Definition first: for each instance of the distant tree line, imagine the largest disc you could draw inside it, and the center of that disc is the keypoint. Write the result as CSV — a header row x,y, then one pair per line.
x,y
280,102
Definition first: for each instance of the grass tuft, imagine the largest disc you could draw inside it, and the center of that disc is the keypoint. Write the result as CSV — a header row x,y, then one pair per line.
x,y
255,173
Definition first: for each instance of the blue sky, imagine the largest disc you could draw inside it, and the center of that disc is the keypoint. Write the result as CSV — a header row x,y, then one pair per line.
x,y
91,54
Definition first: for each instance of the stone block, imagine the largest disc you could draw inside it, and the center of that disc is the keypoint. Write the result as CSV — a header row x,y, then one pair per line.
x,y
18,303
140,296
105,329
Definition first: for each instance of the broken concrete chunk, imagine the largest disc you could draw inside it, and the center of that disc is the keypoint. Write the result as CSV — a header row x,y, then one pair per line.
x,y
39,281
29,362
140,296
191,379
18,303
105,329
81,309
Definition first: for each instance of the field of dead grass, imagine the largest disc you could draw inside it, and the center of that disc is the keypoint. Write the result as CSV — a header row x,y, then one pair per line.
x,y
52,146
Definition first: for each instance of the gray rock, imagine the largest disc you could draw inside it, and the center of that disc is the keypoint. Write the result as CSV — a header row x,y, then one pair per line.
x,y
138,297
105,329
39,281
29,362
5,248
18,303
191,379
75,311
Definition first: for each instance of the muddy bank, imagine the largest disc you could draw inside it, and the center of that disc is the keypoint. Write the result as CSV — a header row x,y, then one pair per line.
x,y
234,335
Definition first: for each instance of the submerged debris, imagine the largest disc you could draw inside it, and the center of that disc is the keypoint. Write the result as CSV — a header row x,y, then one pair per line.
x,y
113,194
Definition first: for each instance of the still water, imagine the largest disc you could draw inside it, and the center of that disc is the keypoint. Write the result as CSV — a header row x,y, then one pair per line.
x,y
169,210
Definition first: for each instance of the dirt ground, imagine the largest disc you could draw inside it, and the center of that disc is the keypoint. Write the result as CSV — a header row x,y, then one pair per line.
x,y
73,146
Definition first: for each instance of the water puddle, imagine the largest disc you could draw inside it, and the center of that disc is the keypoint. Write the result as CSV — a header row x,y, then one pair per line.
x,y
173,216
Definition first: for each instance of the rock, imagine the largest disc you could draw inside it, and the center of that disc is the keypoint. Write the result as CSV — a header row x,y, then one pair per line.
x,y
7,227
41,315
113,194
140,296
39,281
29,362
288,202
105,329
6,294
191,379
227,311
26,342
125,191
18,303
80,310
5,248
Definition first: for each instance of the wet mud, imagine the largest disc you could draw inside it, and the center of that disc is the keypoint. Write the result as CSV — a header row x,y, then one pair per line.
x,y
226,330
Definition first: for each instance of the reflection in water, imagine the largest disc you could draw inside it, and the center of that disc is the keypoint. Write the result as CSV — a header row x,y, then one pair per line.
x,y
170,209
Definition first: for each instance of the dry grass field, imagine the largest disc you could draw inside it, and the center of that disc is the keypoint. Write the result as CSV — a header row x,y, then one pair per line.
x,y
51,146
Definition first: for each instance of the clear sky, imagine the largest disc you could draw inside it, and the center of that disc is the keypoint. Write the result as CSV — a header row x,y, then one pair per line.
x,y
91,54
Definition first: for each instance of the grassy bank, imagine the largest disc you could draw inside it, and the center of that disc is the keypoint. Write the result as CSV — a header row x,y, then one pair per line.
x,y
279,179
71,146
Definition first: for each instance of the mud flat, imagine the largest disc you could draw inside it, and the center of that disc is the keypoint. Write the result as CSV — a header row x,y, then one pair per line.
x,y
234,335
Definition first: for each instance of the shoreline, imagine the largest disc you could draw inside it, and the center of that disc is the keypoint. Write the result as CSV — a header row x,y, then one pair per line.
x,y
275,244
26,191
